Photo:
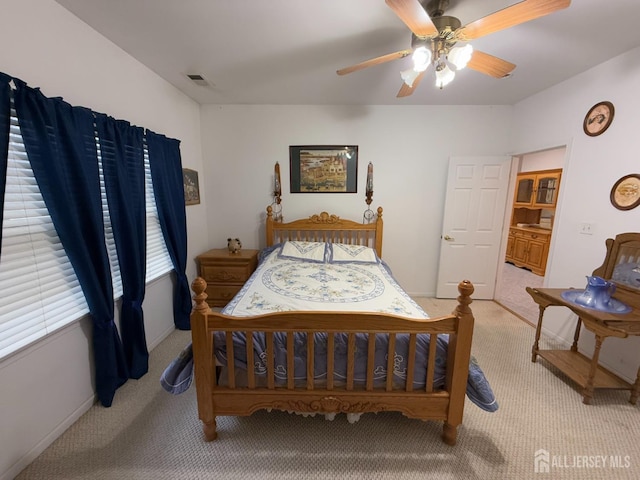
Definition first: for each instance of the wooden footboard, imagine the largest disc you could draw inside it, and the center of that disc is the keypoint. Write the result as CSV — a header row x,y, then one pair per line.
x,y
216,398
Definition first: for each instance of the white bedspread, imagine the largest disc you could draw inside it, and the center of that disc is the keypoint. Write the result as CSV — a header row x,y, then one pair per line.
x,y
282,284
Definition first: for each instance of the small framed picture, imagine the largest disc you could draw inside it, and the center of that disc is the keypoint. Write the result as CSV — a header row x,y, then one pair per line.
x,y
191,187
598,118
625,193
324,168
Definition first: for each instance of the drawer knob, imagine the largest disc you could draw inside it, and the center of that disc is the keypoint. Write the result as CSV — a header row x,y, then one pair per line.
x,y
225,276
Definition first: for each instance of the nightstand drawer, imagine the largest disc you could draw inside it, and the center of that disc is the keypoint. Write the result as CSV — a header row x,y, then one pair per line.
x,y
225,273
220,295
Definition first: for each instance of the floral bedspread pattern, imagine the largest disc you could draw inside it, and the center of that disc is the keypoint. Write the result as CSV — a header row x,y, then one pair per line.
x,y
284,284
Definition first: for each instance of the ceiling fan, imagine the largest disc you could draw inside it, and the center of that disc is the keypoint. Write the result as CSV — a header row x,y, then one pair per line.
x,y
435,38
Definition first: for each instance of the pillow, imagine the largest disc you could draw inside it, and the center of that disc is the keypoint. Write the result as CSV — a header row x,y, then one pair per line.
x,y
307,251
266,251
343,253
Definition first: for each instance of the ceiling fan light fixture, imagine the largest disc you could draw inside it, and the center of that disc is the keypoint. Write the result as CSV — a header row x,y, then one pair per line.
x,y
434,37
421,58
460,56
444,75
409,76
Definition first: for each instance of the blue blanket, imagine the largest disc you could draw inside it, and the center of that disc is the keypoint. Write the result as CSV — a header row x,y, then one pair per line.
x,y
177,377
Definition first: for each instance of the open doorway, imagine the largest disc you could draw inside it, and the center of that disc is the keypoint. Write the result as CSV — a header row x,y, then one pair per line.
x,y
531,218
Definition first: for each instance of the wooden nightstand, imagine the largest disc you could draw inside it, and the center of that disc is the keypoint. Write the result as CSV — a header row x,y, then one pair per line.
x,y
225,273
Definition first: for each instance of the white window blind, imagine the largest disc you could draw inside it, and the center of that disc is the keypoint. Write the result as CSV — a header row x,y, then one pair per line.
x,y
116,279
158,259
40,290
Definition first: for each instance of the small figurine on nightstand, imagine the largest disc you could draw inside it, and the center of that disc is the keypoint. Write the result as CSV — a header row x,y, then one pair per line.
x,y
234,245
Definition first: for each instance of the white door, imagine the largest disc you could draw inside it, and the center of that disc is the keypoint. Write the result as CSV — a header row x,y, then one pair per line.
x,y
472,228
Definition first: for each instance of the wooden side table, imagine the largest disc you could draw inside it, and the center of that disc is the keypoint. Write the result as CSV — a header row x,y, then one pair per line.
x,y
583,370
225,273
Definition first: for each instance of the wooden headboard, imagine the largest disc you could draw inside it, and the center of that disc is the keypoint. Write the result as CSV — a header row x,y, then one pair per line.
x,y
326,228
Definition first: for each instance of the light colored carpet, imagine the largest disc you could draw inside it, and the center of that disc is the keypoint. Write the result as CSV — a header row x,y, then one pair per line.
x,y
150,434
511,293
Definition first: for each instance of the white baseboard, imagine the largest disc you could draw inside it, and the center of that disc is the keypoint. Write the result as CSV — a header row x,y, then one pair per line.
x,y
422,295
53,435
161,337
41,446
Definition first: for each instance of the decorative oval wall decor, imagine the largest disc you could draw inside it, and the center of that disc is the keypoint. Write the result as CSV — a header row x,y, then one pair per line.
x,y
625,193
598,118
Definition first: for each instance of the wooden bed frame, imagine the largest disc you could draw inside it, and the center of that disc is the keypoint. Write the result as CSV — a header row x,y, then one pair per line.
x,y
231,398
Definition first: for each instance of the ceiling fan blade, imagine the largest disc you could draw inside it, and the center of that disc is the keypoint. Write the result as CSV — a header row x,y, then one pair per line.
x,y
413,14
490,65
374,61
406,90
514,15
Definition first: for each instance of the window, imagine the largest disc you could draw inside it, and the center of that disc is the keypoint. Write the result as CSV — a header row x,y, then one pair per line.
x,y
158,259
40,291
116,279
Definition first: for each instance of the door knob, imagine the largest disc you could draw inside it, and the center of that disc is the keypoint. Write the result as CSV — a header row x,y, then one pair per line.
x,y
448,238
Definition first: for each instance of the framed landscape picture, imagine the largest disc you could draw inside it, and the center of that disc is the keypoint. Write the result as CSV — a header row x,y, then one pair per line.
x,y
324,168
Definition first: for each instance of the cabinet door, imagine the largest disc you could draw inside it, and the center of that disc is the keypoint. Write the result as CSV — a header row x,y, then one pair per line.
x,y
536,251
510,240
520,246
546,190
537,256
524,190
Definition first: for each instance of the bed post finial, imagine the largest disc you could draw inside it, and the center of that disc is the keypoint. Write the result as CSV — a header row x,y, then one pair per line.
x,y
466,289
199,285
378,240
269,226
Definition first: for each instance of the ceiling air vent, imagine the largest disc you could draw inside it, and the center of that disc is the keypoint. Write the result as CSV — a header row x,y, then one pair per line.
x,y
198,80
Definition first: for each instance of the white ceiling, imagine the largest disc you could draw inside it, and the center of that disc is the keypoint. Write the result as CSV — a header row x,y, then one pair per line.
x,y
287,51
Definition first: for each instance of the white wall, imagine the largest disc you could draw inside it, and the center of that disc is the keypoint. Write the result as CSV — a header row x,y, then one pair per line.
x,y
409,147
49,385
593,164
545,160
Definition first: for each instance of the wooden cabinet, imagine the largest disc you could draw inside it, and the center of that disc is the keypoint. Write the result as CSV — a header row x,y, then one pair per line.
x,y
529,248
537,189
225,273
534,203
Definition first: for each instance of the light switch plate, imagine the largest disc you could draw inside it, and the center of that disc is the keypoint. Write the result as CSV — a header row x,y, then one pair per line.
x,y
586,228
